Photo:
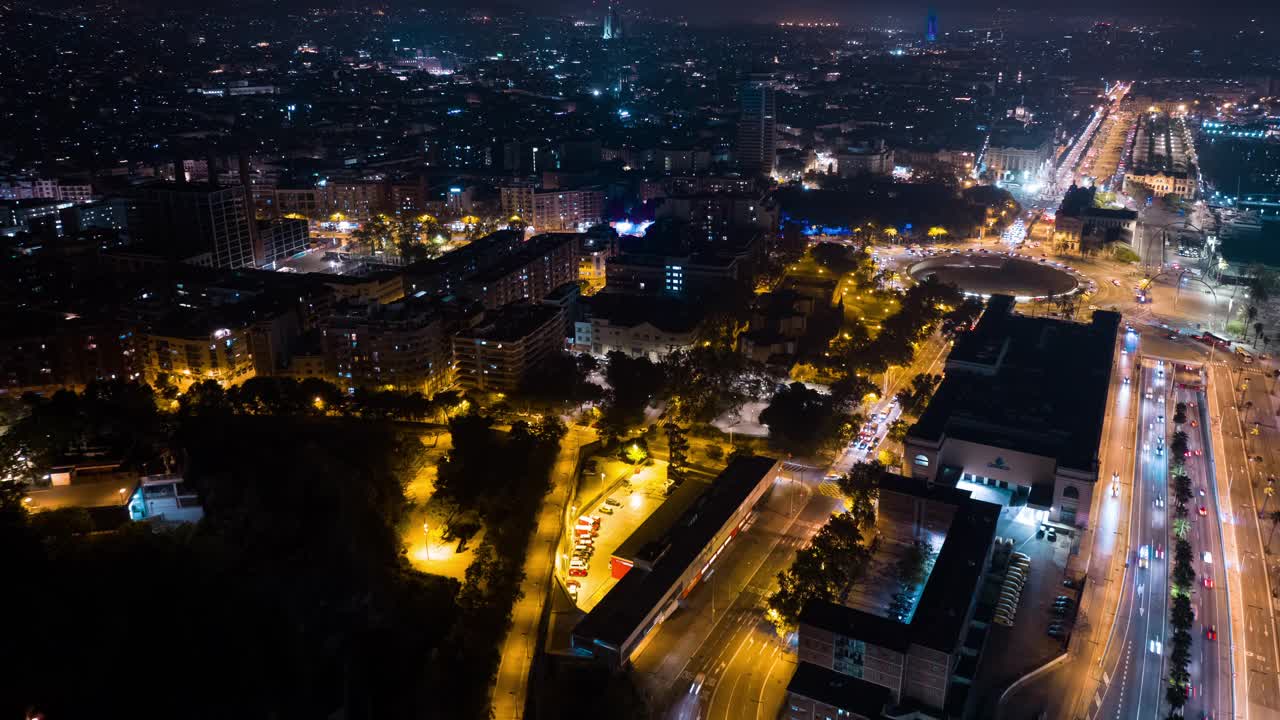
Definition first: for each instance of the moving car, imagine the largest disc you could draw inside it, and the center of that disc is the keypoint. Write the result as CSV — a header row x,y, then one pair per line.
x,y
606,509
1208,581
613,502
1203,511
696,687
577,572
1211,633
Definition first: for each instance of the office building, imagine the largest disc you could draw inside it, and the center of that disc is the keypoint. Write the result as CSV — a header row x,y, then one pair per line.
x,y
181,217
1020,413
1018,153
757,125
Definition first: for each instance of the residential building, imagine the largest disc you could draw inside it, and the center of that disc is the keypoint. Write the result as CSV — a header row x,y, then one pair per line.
x,y
356,199
553,210
541,265
190,346
401,346
504,345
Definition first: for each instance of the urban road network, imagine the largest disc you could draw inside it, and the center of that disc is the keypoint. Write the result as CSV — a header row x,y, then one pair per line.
x,y
719,659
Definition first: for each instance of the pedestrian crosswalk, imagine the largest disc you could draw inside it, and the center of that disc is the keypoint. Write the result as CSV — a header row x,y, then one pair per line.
x,y
830,489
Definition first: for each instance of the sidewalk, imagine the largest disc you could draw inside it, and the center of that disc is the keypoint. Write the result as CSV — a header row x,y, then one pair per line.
x,y
511,683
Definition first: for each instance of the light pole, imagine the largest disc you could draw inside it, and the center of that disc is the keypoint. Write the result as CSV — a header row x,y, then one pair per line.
x,y
426,539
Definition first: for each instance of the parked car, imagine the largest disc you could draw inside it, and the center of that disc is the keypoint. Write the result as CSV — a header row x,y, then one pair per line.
x,y
613,502
606,509
577,572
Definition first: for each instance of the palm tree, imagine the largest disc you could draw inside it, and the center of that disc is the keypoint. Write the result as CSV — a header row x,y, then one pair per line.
x,y
1250,312
1257,333
1275,520
1180,528
891,233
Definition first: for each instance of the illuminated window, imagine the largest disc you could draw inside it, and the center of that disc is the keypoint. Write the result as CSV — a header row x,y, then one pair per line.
x,y
922,460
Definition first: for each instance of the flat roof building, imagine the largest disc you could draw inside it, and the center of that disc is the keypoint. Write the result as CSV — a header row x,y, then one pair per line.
x,y
858,663
666,569
1021,411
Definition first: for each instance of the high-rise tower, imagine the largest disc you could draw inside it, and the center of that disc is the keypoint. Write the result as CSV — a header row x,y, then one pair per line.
x,y
757,126
931,30
612,24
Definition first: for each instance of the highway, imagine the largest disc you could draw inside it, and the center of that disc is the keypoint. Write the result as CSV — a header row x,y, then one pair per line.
x,y
1241,484
1133,663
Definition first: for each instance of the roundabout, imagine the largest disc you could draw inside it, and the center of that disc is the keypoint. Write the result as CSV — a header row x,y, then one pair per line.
x,y
987,274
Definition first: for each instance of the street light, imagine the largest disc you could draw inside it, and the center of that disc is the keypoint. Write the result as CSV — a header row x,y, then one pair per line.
x,y
426,539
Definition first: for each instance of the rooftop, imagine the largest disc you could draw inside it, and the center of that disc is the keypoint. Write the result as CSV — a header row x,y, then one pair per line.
x,y
1033,384
627,606
839,690
939,620
511,323
667,314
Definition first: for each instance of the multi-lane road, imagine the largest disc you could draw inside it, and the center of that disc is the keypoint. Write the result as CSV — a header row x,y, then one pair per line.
x,y
1132,666
1211,635
1242,483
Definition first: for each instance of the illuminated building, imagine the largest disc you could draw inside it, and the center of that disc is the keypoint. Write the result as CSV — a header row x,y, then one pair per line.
x,y
931,29
865,660
757,126
996,426
498,352
402,345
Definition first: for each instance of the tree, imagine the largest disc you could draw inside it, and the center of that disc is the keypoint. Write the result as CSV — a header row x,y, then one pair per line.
x,y
634,452
898,430
1178,444
801,420
1275,520
705,382
1180,413
1257,333
633,383
677,453
559,380
861,488
1250,312
1180,527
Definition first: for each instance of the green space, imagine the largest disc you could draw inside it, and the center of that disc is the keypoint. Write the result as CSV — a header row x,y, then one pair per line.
x,y
297,574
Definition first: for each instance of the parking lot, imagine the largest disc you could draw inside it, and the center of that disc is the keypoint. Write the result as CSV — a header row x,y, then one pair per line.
x,y
635,495
1028,637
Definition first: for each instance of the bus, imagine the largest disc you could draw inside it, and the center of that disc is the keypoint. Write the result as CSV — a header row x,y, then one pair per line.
x,y
1244,355
1209,338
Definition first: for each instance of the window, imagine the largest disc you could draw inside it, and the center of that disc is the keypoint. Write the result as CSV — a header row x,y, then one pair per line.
x,y
922,460
1071,493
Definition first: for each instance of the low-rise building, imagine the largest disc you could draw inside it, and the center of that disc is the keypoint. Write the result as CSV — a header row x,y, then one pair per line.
x,y
636,325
